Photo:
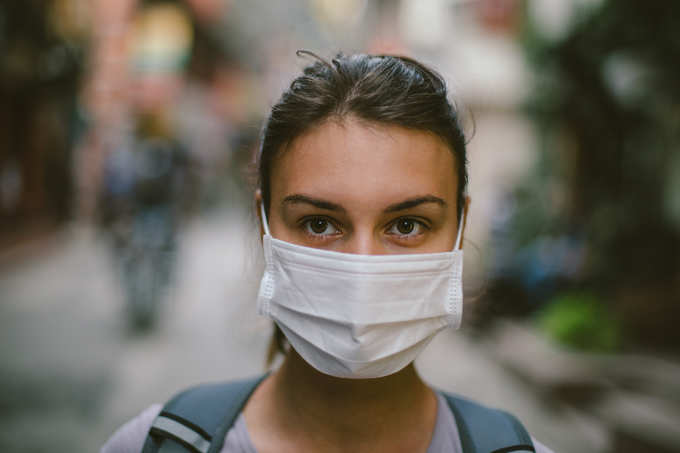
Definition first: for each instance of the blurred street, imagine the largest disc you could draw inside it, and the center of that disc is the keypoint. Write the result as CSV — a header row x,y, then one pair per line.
x,y
73,371
128,131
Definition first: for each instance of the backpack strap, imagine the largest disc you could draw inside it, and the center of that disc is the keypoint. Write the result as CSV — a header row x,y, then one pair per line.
x,y
197,419
486,430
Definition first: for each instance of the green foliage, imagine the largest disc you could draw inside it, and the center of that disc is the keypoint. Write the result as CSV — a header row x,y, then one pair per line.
x,y
580,321
604,101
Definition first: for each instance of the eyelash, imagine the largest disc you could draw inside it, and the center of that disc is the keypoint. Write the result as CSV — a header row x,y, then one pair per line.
x,y
305,225
418,223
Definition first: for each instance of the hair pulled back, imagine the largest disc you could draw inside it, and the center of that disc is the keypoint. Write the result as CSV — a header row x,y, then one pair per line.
x,y
383,89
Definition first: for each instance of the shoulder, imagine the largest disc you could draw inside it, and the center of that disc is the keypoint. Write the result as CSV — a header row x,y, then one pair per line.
x,y
539,447
474,421
130,437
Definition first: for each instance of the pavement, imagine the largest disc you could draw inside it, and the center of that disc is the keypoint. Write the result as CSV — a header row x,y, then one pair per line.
x,y
72,371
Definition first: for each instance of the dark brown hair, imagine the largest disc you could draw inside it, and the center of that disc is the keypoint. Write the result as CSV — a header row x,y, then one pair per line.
x,y
382,89
376,88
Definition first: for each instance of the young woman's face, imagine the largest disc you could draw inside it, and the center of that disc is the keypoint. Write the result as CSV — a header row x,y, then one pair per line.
x,y
365,188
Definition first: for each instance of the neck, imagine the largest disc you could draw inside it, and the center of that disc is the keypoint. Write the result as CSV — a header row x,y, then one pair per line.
x,y
367,411
301,383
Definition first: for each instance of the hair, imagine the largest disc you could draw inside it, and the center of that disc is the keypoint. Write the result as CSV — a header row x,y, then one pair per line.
x,y
381,89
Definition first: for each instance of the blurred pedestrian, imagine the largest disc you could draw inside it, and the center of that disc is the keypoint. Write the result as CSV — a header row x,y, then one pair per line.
x,y
362,202
141,205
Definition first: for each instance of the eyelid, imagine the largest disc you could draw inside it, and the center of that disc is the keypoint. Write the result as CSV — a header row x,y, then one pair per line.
x,y
304,222
307,218
418,220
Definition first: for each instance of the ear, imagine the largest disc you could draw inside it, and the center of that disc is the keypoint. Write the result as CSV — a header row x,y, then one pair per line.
x,y
258,202
466,209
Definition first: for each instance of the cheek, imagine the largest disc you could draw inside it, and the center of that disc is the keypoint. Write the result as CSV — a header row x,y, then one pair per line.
x,y
443,240
278,228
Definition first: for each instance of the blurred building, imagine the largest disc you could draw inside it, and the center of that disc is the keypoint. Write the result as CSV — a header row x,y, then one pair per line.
x,y
41,64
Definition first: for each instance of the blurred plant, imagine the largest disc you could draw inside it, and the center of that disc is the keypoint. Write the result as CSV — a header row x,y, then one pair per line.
x,y
605,102
580,320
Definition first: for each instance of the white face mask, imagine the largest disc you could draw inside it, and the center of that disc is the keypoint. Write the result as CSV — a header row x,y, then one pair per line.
x,y
359,316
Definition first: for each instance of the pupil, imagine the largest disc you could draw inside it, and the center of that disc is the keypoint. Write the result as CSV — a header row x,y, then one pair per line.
x,y
405,226
319,225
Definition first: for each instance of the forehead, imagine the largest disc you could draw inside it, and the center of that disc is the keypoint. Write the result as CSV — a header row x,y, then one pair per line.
x,y
351,161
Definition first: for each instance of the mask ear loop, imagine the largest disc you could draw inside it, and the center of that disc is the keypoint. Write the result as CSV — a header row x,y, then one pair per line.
x,y
264,220
460,231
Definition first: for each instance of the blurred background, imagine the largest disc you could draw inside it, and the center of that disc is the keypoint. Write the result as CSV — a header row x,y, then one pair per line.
x,y
129,255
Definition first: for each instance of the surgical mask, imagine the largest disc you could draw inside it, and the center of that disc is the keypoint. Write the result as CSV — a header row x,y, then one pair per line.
x,y
359,316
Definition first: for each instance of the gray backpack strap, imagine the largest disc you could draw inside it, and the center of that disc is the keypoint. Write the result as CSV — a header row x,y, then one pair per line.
x,y
197,419
486,430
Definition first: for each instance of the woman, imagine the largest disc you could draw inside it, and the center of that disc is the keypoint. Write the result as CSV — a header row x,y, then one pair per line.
x,y
362,183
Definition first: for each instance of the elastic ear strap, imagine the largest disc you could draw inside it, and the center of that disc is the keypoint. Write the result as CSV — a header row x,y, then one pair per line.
x,y
264,219
460,231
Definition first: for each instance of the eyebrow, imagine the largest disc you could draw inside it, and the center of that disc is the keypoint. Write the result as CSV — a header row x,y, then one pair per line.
x,y
316,202
323,204
413,202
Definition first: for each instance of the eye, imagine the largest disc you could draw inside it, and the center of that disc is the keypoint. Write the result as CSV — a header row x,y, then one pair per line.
x,y
407,227
319,226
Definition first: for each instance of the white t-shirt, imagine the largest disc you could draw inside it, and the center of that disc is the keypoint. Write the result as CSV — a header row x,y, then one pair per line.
x,y
130,437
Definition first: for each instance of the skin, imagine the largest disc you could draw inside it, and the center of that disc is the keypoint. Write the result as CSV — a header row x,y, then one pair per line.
x,y
364,188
